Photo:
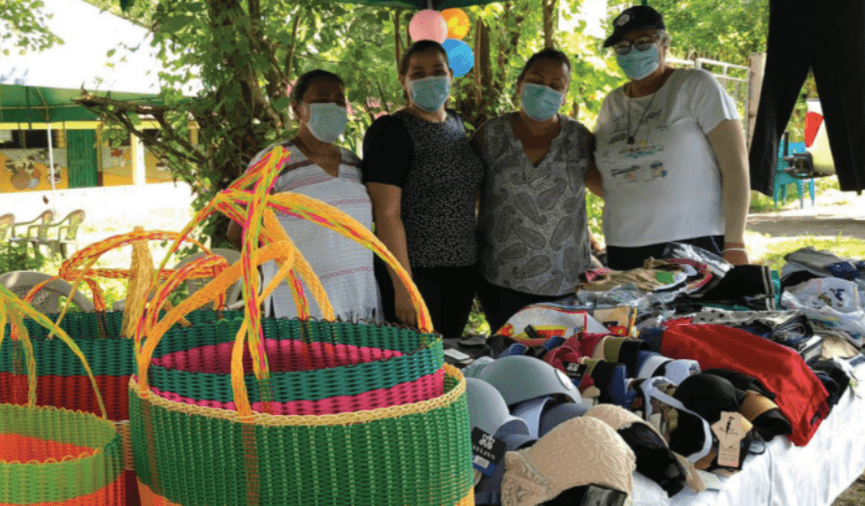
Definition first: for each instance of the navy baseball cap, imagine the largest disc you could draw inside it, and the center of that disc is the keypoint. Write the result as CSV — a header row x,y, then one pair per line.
x,y
638,17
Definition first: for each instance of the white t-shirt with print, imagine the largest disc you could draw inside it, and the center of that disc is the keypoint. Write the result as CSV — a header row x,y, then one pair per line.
x,y
666,186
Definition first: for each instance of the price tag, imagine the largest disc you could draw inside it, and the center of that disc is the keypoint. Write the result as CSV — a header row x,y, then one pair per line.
x,y
487,452
731,429
575,371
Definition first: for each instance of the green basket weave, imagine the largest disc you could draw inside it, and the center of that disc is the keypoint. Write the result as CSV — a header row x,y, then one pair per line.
x,y
93,479
406,458
422,356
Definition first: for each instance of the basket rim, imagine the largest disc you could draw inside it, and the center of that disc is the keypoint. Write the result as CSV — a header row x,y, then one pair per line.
x,y
268,420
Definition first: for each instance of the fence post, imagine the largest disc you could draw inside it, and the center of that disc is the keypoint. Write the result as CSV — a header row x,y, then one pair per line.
x,y
756,62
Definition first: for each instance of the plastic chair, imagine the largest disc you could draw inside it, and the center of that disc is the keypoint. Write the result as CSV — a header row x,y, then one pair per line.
x,y
783,179
6,223
35,231
67,233
233,294
47,300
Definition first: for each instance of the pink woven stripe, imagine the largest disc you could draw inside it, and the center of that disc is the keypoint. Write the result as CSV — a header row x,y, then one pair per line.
x,y
284,355
422,389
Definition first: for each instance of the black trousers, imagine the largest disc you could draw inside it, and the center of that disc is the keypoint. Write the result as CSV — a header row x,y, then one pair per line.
x,y
448,292
625,259
827,36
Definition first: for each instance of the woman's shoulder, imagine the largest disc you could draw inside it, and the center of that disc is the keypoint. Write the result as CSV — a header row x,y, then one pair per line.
x,y
288,145
574,127
349,157
387,125
694,77
496,126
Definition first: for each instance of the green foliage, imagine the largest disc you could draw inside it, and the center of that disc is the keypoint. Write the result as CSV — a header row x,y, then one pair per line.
x,y
725,31
844,247
246,54
17,258
22,26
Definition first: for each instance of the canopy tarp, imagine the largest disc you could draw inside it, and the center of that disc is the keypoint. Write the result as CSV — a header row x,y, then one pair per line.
x,y
32,104
38,87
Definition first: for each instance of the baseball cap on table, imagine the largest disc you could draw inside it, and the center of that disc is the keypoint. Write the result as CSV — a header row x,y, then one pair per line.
x,y
559,414
638,17
489,412
520,378
655,460
579,452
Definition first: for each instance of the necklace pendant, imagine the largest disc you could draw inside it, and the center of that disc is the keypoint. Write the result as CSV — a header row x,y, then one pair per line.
x,y
630,140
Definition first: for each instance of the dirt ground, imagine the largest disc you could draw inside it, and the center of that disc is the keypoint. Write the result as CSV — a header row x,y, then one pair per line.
x,y
835,213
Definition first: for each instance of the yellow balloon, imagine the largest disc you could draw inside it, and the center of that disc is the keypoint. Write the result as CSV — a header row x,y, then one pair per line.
x,y
458,23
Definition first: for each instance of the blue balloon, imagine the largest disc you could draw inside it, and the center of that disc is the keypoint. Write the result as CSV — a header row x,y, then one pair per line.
x,y
460,56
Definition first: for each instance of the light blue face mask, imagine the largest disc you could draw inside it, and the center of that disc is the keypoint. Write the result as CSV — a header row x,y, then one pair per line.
x,y
430,93
639,64
540,102
326,121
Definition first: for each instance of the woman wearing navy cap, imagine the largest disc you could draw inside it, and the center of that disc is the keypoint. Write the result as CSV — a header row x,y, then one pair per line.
x,y
671,152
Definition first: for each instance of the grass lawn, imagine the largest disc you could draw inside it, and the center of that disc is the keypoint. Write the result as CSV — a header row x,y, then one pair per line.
x,y
771,251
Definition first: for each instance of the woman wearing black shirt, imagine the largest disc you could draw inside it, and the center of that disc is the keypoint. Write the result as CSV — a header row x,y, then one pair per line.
x,y
423,179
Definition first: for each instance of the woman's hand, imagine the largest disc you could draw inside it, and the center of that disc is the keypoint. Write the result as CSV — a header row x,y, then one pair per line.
x,y
405,311
735,253
736,257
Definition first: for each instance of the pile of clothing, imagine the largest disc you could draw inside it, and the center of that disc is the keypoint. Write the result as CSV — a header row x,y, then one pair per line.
x,y
690,362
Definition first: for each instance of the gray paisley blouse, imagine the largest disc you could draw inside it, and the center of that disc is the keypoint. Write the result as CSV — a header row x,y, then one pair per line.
x,y
532,222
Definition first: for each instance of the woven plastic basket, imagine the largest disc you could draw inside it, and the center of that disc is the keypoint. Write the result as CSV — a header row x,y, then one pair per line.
x,y
50,455
61,379
290,411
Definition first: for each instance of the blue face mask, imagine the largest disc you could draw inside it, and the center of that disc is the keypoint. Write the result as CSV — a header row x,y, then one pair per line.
x,y
430,93
639,64
326,121
540,102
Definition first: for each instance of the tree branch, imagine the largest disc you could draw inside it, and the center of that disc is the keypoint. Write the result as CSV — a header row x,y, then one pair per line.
x,y
396,38
118,110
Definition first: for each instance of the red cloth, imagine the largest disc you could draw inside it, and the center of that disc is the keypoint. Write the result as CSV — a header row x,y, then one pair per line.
x,y
801,397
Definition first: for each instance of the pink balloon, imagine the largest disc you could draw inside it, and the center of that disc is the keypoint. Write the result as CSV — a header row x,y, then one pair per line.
x,y
428,25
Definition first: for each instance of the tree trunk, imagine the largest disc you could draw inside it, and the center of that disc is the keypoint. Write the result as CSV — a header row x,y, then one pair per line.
x,y
551,19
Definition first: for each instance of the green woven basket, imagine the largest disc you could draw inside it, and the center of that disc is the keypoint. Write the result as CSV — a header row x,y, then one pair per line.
x,y
417,454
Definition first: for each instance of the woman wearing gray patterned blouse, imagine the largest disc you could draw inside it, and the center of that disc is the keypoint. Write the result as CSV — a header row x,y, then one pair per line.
x,y
534,235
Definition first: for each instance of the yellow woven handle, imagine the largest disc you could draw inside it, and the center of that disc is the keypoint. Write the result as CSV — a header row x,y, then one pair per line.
x,y
264,240
12,308
79,267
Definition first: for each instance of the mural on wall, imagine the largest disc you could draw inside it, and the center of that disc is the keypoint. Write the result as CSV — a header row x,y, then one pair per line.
x,y
27,169
117,167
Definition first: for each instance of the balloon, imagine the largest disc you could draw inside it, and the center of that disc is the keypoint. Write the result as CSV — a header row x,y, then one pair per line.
x,y
458,23
428,25
460,56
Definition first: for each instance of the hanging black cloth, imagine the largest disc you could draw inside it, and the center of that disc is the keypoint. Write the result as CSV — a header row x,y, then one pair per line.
x,y
827,36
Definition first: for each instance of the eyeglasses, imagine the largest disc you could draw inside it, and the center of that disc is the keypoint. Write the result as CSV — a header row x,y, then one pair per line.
x,y
641,43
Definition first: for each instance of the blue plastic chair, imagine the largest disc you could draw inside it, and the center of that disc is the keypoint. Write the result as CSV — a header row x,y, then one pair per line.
x,y
782,179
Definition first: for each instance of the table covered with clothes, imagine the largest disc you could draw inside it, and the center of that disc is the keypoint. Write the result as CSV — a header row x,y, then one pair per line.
x,y
686,382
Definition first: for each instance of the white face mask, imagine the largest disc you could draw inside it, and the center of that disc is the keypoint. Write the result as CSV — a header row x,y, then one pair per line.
x,y
327,121
639,64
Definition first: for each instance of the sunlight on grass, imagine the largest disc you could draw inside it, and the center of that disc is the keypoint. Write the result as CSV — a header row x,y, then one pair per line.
x,y
769,250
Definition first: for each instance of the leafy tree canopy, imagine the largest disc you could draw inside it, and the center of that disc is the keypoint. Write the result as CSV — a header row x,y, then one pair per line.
x,y
716,29
22,23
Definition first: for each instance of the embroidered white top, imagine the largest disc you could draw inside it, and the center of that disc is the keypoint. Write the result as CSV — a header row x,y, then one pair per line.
x,y
343,266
